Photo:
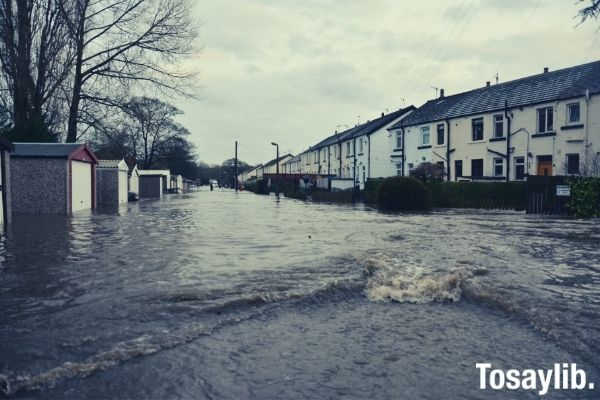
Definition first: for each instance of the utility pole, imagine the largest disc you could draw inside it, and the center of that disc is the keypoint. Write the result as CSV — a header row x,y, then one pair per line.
x,y
276,167
235,175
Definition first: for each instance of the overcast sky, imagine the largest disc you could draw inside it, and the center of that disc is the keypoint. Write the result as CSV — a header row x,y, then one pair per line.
x,y
294,71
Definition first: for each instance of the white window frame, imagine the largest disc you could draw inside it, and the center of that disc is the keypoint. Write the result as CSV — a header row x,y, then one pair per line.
x,y
498,161
473,130
425,132
498,119
437,134
398,169
569,105
398,139
546,128
360,145
348,149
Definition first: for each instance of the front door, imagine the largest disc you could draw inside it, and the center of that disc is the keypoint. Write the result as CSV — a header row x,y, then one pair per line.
x,y
544,166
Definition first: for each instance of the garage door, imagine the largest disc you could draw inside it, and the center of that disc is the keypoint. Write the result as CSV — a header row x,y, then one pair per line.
x,y
123,187
81,187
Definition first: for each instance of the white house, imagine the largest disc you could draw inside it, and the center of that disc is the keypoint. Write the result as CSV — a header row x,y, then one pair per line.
x,y
545,124
271,166
112,182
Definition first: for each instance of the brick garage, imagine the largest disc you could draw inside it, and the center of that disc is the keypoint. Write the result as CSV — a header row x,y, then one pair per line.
x,y
52,178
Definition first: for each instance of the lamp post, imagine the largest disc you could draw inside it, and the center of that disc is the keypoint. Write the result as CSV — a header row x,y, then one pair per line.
x,y
276,166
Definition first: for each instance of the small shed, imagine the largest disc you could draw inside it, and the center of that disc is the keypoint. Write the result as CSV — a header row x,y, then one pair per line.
x,y
112,182
52,178
133,184
5,199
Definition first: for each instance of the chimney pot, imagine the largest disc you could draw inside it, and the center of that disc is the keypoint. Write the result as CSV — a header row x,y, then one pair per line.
x,y
382,114
487,84
545,70
441,93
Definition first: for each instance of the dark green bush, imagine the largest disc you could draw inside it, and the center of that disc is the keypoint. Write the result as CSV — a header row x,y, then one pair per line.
x,y
341,196
296,195
403,194
371,189
585,197
500,195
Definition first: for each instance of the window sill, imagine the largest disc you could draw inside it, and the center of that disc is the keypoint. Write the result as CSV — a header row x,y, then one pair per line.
x,y
545,134
361,154
569,127
498,139
476,141
437,146
398,149
424,147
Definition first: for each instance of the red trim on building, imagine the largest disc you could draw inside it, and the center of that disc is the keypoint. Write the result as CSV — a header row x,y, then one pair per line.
x,y
83,154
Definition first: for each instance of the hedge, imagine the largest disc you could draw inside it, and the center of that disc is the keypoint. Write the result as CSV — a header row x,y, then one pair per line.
x,y
585,197
403,194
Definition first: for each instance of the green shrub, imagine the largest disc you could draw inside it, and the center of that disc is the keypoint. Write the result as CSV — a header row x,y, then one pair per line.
x,y
371,188
341,196
403,194
500,195
295,195
585,197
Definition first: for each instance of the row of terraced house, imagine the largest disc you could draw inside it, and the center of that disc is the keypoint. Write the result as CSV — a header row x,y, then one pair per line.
x,y
545,124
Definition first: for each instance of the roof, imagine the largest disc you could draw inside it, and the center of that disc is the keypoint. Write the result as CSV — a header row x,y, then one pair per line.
x,y
164,172
50,150
121,164
273,161
536,89
366,128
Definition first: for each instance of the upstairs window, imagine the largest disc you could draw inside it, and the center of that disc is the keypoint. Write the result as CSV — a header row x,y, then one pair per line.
x,y
440,134
498,126
398,140
399,169
348,152
545,119
573,113
477,129
425,136
360,145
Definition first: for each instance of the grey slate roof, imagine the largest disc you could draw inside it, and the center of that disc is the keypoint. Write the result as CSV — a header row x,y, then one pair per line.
x,y
273,161
50,150
546,87
366,128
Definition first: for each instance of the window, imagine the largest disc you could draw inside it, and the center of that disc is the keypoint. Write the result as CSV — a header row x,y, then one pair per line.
x,y
399,169
335,151
410,166
573,164
477,129
477,168
348,149
458,169
425,136
440,134
519,168
360,145
398,140
545,119
573,113
498,167
498,126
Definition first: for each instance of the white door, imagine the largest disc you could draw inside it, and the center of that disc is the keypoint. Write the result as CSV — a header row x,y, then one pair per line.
x,y
81,185
123,187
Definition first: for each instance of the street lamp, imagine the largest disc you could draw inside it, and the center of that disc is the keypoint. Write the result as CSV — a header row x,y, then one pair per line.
x,y
277,166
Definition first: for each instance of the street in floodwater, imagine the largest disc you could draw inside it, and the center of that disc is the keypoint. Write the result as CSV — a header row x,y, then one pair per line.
x,y
218,295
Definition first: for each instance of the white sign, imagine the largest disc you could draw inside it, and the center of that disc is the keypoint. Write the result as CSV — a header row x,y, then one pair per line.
x,y
563,190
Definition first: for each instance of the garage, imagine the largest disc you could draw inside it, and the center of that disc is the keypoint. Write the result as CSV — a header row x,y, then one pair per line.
x,y
52,178
112,181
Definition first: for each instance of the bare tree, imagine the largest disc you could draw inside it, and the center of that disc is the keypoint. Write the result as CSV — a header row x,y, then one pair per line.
x,y
153,128
119,43
35,60
591,10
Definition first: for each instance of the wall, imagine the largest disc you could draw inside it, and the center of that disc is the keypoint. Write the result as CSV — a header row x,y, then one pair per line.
x,y
39,185
134,183
107,180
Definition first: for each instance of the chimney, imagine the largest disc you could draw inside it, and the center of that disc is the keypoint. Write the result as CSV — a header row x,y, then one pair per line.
x,y
441,93
545,70
382,114
487,84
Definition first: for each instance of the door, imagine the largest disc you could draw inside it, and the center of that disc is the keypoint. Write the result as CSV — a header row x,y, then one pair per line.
x,y
81,186
544,166
123,186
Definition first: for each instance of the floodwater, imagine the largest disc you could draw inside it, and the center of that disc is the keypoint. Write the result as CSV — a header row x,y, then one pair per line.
x,y
218,295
